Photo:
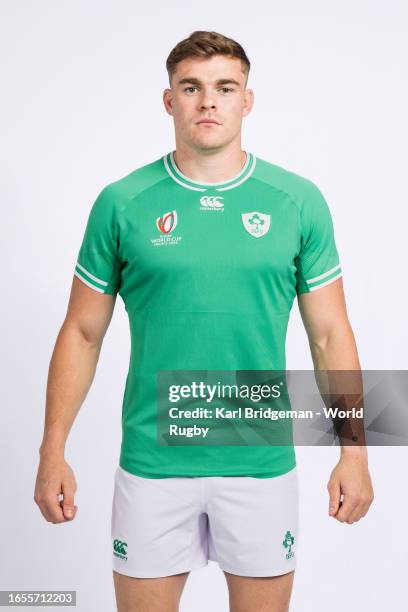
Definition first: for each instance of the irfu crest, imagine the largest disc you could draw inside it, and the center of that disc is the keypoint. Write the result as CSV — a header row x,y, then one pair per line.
x,y
256,223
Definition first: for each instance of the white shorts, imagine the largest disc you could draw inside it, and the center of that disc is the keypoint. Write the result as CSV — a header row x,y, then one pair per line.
x,y
166,526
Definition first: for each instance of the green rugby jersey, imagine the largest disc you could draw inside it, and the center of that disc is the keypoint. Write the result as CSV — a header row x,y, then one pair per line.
x,y
208,273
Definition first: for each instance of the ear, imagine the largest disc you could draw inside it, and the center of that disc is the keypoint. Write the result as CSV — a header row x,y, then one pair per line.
x,y
167,100
248,102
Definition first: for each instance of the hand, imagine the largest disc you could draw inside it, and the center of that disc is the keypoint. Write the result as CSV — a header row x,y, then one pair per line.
x,y
351,478
54,477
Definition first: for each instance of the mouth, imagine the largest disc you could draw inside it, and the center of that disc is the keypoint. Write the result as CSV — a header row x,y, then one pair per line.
x,y
208,122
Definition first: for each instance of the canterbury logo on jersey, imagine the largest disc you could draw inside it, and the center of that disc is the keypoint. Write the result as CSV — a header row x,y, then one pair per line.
x,y
167,223
119,549
211,203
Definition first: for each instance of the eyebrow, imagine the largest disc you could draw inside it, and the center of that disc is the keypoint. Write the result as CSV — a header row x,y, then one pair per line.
x,y
198,82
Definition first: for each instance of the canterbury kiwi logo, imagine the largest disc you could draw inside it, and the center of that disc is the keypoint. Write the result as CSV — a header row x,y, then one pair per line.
x,y
119,548
211,202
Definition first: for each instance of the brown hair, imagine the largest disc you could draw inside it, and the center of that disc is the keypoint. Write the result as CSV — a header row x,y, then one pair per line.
x,y
204,44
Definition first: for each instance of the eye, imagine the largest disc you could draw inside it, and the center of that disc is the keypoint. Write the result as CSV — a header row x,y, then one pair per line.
x,y
191,87
227,89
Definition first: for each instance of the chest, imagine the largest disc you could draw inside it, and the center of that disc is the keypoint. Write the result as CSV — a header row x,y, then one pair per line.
x,y
235,232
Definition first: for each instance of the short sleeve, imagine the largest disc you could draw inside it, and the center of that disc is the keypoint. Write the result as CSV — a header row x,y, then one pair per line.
x,y
318,262
98,262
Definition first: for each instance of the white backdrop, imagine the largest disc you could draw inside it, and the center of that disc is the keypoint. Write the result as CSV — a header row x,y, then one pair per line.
x,y
82,106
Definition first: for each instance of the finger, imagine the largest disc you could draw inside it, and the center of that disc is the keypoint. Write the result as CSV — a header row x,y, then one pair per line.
x,y
360,511
44,512
51,508
355,515
334,496
350,504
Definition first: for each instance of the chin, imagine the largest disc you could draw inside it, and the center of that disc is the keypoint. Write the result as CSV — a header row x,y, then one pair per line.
x,y
208,143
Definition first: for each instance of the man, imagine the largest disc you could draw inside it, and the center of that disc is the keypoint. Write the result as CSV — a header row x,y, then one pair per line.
x,y
208,245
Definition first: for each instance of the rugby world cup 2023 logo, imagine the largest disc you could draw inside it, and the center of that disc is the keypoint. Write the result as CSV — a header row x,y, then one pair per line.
x,y
166,224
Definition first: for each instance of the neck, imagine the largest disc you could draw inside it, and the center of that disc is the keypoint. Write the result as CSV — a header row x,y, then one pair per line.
x,y
209,165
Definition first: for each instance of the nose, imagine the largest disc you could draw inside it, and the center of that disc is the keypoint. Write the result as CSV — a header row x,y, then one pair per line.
x,y
207,101
205,106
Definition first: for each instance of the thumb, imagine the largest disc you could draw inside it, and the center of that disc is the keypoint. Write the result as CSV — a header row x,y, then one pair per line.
x,y
334,494
68,506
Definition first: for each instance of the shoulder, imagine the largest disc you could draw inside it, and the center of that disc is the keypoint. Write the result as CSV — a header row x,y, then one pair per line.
x,y
301,190
116,193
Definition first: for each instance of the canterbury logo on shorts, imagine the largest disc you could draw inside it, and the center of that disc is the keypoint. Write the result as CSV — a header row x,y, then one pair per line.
x,y
119,549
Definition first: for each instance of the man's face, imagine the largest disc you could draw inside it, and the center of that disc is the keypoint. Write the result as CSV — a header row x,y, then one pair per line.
x,y
208,89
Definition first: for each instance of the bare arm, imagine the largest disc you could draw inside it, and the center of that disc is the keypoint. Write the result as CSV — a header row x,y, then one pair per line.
x,y
331,338
71,372
333,347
